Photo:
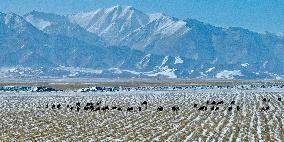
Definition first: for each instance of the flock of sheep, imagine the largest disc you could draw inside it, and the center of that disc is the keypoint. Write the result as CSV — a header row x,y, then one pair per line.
x,y
183,115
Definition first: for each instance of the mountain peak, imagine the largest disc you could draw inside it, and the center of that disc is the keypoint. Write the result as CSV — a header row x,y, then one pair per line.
x,y
159,16
44,15
42,20
11,15
121,11
117,7
111,23
14,21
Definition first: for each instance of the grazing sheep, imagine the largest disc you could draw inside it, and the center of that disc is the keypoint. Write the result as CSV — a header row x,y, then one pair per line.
x,y
78,104
160,108
279,99
86,108
90,104
266,100
203,108
175,108
144,103
213,103
233,103
217,108
98,109
130,109
212,108
195,105
92,108
265,108
230,108
140,108
105,108
99,103
58,106
53,106
238,108
220,103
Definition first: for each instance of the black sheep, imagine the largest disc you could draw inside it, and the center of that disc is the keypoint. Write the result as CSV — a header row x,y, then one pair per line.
x,y
144,103
212,108
99,103
98,109
160,108
220,103
230,108
105,108
238,108
58,106
203,108
217,108
175,108
53,106
78,104
140,108
130,109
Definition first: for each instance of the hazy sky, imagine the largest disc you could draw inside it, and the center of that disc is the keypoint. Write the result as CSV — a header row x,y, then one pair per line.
x,y
256,15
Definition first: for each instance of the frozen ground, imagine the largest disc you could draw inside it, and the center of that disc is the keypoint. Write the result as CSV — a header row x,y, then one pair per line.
x,y
23,116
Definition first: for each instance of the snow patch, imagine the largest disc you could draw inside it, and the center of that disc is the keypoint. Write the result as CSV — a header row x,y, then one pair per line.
x,y
245,64
278,77
226,74
165,71
168,25
76,70
191,71
144,62
178,60
165,60
38,23
22,46
155,16
210,69
202,74
264,64
115,70
132,72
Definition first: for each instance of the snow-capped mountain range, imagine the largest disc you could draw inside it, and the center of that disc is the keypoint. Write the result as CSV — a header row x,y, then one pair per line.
x,y
122,41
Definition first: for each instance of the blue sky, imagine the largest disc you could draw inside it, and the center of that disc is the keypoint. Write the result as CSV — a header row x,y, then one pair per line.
x,y
256,15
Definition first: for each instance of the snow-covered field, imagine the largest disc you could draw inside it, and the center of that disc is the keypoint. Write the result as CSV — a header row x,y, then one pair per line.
x,y
24,116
